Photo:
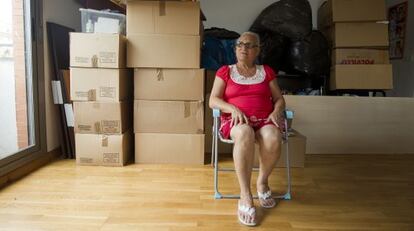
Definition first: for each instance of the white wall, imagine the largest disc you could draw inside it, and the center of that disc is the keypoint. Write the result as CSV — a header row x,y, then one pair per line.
x,y
64,12
239,15
404,68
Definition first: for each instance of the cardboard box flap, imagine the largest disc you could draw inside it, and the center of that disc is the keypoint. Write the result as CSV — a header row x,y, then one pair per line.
x,y
107,150
171,17
102,117
97,50
169,116
168,84
169,148
100,84
360,35
163,51
363,77
334,11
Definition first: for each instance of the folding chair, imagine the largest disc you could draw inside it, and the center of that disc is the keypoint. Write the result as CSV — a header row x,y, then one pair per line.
x,y
214,158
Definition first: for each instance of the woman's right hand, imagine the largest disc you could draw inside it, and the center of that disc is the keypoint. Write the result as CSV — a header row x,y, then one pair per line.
x,y
237,117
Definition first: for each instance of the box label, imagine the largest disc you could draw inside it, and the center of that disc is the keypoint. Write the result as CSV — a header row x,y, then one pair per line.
x,y
107,57
107,92
84,128
110,126
85,160
79,59
112,158
89,95
81,94
357,61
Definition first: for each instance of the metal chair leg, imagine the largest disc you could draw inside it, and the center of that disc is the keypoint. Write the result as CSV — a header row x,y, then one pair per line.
x,y
214,161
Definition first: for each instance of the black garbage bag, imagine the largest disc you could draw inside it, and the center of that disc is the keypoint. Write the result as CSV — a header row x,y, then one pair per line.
x,y
291,18
221,33
273,49
310,56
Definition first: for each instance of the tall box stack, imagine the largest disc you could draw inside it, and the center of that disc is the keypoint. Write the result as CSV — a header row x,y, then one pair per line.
x,y
101,89
164,50
358,33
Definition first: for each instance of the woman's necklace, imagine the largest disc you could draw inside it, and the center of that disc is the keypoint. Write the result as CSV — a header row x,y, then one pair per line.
x,y
249,72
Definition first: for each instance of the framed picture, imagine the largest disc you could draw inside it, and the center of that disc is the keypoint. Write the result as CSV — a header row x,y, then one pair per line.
x,y
397,17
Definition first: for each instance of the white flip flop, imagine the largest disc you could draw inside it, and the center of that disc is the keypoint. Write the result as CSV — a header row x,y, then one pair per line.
x,y
251,211
266,196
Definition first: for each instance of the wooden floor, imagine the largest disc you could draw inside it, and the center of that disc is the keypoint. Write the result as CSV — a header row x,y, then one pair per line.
x,y
353,192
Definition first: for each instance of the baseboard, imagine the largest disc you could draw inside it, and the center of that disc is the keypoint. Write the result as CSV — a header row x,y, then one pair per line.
x,y
29,168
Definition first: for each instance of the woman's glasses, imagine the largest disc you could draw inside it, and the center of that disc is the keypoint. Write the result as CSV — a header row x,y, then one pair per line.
x,y
246,45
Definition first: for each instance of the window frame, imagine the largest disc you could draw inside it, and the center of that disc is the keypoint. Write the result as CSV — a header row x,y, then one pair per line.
x,y
38,149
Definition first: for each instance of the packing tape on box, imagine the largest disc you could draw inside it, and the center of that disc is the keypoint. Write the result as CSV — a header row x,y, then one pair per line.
x,y
104,141
98,127
92,95
94,61
162,8
160,74
187,111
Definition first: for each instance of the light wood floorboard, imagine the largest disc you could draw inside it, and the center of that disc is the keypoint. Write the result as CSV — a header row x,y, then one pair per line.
x,y
345,192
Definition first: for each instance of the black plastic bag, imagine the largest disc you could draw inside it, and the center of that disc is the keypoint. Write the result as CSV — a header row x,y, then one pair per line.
x,y
273,50
221,33
291,18
310,56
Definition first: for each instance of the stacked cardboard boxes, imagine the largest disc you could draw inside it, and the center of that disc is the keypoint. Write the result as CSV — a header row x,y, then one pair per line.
x,y
358,33
101,88
164,50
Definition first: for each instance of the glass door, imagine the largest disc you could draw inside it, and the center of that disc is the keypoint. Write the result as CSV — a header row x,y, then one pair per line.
x,y
19,121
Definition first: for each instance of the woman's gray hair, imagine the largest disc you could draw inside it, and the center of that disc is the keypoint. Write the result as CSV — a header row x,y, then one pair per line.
x,y
256,36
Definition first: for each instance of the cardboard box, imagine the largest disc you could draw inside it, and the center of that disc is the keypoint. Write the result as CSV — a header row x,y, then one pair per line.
x,y
361,77
169,84
163,51
360,56
102,117
357,35
210,77
208,130
106,150
168,116
159,148
170,17
97,50
101,84
297,149
333,11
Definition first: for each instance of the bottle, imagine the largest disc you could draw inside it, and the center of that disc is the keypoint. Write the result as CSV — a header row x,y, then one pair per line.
x,y
89,26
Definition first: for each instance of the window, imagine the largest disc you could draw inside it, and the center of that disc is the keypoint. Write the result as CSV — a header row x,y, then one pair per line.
x,y
21,126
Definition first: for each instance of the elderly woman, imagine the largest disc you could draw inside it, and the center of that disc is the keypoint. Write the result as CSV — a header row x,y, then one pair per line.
x,y
252,106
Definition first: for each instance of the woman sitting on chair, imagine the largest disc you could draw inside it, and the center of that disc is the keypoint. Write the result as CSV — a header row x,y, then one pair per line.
x,y
252,106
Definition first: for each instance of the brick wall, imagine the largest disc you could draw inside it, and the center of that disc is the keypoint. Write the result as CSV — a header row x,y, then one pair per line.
x,y
19,72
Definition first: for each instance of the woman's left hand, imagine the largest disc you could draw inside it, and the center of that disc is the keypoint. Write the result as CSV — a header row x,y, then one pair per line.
x,y
276,117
